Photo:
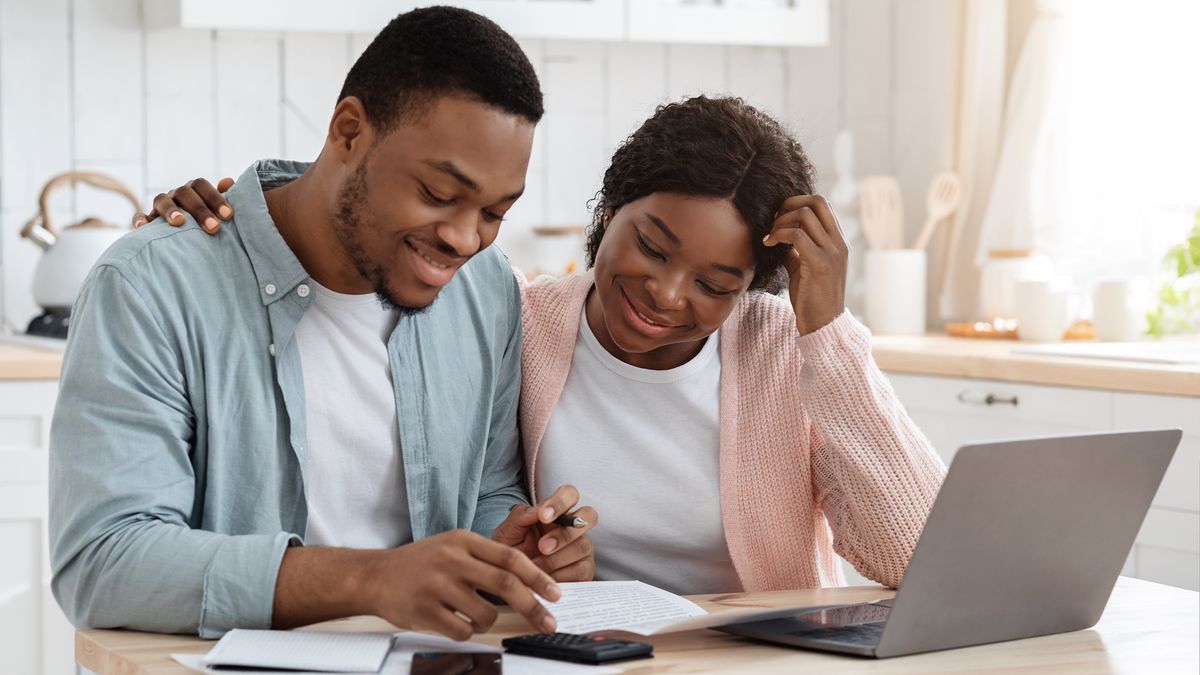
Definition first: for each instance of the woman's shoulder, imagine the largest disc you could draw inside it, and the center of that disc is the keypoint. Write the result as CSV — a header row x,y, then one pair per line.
x,y
545,291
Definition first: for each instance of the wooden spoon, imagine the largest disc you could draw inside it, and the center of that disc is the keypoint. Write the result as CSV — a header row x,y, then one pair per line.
x,y
943,199
881,210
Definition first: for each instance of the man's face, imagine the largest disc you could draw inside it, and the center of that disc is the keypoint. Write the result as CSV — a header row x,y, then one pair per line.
x,y
431,194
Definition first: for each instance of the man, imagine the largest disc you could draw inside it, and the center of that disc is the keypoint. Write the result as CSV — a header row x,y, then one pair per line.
x,y
297,382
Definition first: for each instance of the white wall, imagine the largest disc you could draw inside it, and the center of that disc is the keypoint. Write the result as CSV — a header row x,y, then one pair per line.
x,y
83,86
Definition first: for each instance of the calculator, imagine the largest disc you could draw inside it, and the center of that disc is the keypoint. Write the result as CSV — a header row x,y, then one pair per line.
x,y
589,649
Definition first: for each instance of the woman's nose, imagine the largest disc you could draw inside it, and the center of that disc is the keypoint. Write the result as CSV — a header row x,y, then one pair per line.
x,y
667,293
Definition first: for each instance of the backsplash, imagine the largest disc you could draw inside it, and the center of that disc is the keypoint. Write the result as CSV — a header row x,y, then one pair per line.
x,y
83,86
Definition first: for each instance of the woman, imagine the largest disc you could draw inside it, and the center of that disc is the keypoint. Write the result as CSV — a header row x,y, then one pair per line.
x,y
717,427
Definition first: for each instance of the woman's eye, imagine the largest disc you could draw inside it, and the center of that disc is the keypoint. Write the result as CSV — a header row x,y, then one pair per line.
x,y
711,290
493,217
648,250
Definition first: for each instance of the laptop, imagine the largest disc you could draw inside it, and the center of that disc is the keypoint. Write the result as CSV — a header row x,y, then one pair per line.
x,y
1025,538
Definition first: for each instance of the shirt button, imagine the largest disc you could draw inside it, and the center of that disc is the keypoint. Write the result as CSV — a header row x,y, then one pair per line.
x,y
271,348
269,289
302,290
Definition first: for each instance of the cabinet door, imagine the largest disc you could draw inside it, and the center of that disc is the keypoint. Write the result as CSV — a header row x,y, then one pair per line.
x,y
560,19
35,637
955,411
25,410
781,23
1168,546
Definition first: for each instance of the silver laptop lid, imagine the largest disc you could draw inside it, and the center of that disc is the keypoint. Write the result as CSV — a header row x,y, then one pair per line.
x,y
1026,538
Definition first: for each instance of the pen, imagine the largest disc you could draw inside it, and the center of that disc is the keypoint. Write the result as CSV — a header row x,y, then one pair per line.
x,y
570,520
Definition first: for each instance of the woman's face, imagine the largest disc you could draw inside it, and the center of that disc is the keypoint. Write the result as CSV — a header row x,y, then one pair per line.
x,y
668,272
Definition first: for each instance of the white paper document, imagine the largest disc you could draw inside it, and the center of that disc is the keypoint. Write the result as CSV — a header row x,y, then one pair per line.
x,y
636,607
404,645
301,650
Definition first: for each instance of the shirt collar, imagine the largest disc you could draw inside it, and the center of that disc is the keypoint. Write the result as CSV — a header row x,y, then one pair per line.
x,y
275,265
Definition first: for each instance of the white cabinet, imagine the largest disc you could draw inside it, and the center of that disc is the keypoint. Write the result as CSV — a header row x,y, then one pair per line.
x,y
562,19
35,637
955,411
798,22
1168,546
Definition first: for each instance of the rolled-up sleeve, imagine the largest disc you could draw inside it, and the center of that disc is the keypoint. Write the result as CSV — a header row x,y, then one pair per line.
x,y
124,551
502,484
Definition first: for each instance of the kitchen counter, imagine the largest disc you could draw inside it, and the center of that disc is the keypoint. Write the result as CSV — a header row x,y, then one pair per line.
x,y
22,362
937,354
932,354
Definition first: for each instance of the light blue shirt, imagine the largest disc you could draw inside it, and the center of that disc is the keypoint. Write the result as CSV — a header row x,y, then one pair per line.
x,y
178,440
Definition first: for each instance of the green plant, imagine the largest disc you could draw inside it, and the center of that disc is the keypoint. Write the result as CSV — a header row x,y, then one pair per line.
x,y
1178,309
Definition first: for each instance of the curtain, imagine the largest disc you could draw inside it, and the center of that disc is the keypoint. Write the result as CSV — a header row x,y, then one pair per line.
x,y
976,145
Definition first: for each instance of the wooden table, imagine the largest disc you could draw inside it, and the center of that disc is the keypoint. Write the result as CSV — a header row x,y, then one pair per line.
x,y
1146,628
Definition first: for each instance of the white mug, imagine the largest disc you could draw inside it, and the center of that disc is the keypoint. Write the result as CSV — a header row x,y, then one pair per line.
x,y
1119,309
1043,309
895,291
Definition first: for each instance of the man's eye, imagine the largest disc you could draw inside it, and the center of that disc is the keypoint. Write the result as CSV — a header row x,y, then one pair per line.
x,y
493,217
434,198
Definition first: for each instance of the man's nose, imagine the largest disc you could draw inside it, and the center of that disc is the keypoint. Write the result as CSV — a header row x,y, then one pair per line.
x,y
461,233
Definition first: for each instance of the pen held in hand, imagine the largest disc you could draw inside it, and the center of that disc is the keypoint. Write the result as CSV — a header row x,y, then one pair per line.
x,y
570,520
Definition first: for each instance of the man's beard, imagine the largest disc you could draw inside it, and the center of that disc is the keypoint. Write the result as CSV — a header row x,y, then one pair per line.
x,y
349,227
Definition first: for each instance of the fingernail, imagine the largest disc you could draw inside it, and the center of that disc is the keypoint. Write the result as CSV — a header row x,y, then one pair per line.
x,y
211,224
553,590
547,513
766,240
548,624
225,212
176,216
547,546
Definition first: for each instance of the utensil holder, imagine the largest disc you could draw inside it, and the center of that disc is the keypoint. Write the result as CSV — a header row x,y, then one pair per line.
x,y
895,291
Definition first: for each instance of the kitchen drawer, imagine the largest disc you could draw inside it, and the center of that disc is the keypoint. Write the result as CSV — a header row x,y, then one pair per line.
x,y
1181,486
955,411
25,411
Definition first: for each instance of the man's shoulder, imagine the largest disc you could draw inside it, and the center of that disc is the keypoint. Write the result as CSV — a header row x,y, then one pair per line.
x,y
158,247
176,266
488,273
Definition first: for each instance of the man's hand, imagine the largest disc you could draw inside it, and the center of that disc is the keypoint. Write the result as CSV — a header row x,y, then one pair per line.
x,y
427,585
565,552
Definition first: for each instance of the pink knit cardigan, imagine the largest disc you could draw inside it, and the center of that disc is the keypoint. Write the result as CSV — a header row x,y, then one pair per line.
x,y
811,433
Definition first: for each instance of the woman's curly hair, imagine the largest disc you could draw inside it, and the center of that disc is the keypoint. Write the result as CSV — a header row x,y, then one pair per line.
x,y
710,147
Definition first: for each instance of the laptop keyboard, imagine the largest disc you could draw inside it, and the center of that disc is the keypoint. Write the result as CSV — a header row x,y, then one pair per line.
x,y
855,634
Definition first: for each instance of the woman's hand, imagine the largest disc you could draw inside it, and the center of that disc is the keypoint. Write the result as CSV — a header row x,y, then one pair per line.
x,y
816,264
565,553
199,198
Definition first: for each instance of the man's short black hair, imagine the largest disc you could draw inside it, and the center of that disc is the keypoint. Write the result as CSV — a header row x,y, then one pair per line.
x,y
430,52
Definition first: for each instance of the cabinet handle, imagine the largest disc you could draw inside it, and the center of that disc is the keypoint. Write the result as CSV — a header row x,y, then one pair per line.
x,y
987,399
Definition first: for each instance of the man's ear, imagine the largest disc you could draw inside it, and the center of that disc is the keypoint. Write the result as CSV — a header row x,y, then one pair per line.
x,y
349,133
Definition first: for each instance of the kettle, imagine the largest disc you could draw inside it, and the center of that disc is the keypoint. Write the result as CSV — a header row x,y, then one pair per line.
x,y
68,256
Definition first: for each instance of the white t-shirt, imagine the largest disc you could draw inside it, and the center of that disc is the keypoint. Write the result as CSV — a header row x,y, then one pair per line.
x,y
643,447
353,470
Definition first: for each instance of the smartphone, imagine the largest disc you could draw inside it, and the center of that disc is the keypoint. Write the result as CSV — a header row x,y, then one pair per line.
x,y
455,663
